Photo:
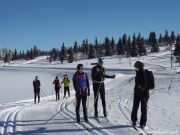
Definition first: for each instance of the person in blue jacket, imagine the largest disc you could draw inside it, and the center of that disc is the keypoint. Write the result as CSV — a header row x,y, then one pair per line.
x,y
82,90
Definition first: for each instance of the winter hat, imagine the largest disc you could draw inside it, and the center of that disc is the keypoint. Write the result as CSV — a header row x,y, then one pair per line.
x,y
79,66
100,61
139,65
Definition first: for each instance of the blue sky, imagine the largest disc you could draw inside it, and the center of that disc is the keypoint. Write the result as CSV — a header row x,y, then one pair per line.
x,y
49,23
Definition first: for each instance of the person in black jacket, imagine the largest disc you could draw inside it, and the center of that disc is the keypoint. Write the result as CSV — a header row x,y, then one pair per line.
x,y
82,90
141,95
36,84
98,75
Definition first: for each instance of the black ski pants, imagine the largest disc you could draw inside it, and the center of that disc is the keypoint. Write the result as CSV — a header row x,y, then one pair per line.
x,y
36,94
143,99
66,89
57,89
99,88
78,102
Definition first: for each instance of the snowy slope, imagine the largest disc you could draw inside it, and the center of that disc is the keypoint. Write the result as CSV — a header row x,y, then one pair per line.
x,y
19,115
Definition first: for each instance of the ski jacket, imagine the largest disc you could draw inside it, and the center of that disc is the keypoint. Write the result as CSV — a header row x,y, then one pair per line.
x,y
66,82
36,84
140,82
57,84
98,74
81,82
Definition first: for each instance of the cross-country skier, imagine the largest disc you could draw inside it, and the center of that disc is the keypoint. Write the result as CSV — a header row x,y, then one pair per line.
x,y
36,84
66,82
57,87
82,90
141,94
98,75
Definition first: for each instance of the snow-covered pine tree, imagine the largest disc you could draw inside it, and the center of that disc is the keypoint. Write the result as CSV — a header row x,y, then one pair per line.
x,y
134,49
63,53
173,37
92,52
153,42
75,49
107,46
160,40
120,47
113,46
128,47
141,45
124,41
70,55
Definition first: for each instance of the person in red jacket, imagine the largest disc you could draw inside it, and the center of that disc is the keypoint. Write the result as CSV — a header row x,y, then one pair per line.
x,y
57,84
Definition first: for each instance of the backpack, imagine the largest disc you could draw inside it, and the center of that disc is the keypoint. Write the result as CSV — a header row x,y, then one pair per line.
x,y
150,79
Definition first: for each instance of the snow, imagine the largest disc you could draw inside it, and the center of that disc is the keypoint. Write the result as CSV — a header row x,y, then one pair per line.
x,y
19,115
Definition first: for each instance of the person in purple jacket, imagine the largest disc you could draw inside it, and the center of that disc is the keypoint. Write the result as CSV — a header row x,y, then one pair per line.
x,y
82,90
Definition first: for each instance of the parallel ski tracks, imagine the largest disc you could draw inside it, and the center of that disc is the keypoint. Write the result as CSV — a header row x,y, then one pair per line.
x,y
90,128
9,121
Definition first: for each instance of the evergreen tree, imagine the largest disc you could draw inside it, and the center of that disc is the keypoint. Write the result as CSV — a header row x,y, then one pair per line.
x,y
177,46
75,47
160,40
141,45
86,47
80,49
23,55
166,38
70,55
124,41
6,58
35,51
153,42
91,52
54,54
83,47
128,47
97,48
113,46
27,55
142,50
63,53
14,55
173,37
31,54
120,47
107,46
134,50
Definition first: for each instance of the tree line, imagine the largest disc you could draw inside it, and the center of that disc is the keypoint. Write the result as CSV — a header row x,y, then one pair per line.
x,y
126,46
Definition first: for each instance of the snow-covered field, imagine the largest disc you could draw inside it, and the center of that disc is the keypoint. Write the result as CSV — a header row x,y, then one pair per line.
x,y
19,115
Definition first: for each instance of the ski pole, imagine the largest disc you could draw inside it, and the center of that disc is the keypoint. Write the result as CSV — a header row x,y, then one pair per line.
x,y
88,105
59,111
52,93
171,82
42,96
44,93
113,97
97,93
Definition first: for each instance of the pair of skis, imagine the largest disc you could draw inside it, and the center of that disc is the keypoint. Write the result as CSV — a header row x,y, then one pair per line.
x,y
85,124
101,117
141,131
